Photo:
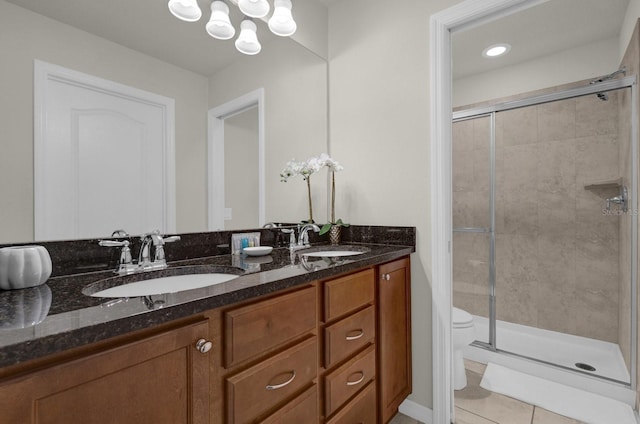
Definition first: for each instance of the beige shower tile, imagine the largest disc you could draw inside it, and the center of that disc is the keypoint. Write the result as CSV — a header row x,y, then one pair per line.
x,y
465,417
475,304
481,169
517,212
594,116
597,159
517,257
517,301
557,258
517,127
592,220
556,120
481,132
597,316
519,168
557,211
470,209
463,163
597,265
556,165
542,416
556,307
462,136
491,406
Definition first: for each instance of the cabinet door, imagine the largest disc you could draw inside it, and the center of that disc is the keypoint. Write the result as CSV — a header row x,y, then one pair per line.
x,y
159,379
394,336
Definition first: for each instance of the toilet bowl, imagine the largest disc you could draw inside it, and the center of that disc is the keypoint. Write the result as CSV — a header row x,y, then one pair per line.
x,y
463,334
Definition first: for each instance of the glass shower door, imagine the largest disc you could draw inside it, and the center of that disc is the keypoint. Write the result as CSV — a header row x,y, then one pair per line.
x,y
472,214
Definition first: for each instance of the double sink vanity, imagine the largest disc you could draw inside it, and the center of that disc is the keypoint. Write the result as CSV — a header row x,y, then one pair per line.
x,y
316,335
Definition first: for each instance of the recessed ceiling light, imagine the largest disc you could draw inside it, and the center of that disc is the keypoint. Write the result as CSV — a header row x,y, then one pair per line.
x,y
496,50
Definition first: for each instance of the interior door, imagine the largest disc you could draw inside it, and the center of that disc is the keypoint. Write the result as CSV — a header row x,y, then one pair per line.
x,y
104,158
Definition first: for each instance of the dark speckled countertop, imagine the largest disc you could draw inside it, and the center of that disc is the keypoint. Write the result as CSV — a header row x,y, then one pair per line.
x,y
75,319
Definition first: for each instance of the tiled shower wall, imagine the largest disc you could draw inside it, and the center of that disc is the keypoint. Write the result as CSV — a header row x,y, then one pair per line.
x,y
557,253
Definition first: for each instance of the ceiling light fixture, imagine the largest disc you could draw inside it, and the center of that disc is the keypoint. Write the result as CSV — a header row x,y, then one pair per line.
x,y
254,8
247,41
186,10
496,50
219,25
282,23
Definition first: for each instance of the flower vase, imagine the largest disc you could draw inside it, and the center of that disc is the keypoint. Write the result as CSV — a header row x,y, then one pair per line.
x,y
334,234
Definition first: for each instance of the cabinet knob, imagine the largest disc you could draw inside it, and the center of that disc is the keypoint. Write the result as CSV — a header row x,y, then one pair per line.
x,y
386,277
203,346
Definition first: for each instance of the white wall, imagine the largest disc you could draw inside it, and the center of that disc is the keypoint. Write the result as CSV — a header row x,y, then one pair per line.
x,y
630,19
25,36
379,115
295,120
581,63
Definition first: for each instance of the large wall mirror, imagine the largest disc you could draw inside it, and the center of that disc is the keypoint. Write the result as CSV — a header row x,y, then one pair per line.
x,y
141,45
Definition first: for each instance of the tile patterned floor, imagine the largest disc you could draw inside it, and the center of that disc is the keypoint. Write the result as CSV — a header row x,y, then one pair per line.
x,y
475,405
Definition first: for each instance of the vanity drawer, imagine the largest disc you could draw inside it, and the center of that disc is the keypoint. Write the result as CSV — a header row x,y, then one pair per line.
x,y
301,410
362,409
255,391
349,379
348,335
257,328
348,293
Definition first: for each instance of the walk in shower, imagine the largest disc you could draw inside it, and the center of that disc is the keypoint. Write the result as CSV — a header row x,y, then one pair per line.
x,y
545,227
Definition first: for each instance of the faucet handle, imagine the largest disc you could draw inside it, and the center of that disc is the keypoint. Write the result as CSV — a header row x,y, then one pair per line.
x,y
125,262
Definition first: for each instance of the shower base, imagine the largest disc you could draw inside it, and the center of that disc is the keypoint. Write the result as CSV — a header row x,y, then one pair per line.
x,y
553,355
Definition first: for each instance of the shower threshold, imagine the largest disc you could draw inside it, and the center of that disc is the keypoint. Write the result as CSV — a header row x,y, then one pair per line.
x,y
554,356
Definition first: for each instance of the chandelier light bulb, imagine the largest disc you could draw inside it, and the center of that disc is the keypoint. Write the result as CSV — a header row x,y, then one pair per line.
x,y
282,23
254,8
186,10
219,26
247,41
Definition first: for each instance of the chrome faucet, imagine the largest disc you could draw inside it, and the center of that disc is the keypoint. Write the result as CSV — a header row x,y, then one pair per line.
x,y
125,263
622,199
144,257
303,237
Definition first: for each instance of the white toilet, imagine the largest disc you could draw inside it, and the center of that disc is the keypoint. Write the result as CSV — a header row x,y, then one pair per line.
x,y
463,334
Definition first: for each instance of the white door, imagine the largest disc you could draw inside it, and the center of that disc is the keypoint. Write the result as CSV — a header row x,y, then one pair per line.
x,y
104,157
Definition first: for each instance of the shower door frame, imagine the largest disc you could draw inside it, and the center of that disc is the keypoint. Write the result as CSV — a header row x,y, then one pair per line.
x,y
490,111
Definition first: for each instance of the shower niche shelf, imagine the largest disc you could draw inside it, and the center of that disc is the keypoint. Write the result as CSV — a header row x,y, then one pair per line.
x,y
596,185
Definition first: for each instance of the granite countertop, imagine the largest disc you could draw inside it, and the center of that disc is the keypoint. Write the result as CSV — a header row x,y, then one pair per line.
x,y
75,319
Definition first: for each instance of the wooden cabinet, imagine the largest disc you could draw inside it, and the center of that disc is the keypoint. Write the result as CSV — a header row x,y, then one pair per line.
x,y
270,365
394,336
336,351
158,379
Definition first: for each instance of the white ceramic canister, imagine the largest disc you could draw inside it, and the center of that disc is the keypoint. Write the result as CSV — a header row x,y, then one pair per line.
x,y
24,266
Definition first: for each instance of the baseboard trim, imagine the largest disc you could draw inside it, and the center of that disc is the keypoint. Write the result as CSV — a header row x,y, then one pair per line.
x,y
416,411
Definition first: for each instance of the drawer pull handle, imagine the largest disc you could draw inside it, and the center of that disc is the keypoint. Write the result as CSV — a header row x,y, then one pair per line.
x,y
357,336
358,381
281,385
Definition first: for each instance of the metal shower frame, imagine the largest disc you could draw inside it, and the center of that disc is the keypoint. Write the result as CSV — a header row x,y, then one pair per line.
x,y
490,111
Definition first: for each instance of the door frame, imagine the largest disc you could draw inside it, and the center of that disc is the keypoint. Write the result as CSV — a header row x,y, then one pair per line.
x,y
464,15
215,155
44,72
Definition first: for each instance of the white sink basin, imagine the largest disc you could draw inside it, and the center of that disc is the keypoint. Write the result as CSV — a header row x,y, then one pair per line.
x,y
162,285
331,253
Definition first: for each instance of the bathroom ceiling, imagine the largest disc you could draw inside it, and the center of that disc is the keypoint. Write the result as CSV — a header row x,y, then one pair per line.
x,y
551,27
148,27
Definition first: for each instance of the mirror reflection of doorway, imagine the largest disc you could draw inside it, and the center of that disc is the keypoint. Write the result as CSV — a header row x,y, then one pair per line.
x,y
241,166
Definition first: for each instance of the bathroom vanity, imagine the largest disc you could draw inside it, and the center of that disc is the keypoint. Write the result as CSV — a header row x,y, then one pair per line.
x,y
293,340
